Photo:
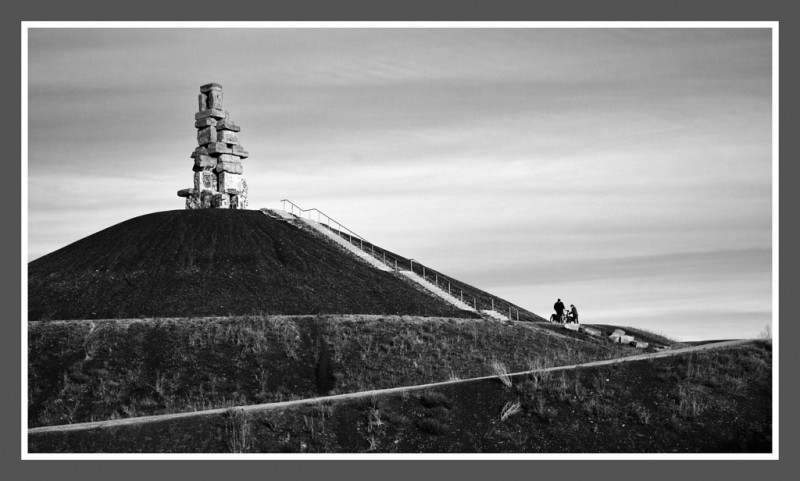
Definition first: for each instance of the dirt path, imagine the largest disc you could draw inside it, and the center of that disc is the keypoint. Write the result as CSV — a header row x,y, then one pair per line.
x,y
378,392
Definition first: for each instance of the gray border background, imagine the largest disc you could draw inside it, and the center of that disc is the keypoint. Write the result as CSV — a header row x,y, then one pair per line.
x,y
361,10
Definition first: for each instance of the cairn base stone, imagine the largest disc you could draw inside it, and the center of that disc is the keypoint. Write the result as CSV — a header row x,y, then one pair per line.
x,y
221,201
193,202
229,183
205,181
243,195
206,199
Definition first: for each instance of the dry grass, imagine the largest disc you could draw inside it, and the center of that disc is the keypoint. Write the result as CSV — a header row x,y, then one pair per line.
x,y
509,409
499,369
94,370
237,431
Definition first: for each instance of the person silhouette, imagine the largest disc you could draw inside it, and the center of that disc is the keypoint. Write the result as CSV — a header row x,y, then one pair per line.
x,y
559,307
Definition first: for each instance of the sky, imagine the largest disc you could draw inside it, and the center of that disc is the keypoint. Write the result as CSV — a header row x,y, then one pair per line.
x,y
626,171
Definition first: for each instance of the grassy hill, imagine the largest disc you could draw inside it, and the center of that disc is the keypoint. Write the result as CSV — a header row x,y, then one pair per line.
x,y
95,370
214,262
186,311
714,402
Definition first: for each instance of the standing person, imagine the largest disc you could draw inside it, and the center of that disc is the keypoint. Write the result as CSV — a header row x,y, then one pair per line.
x,y
573,313
559,307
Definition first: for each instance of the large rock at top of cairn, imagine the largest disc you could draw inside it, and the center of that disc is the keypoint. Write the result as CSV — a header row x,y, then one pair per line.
x,y
217,160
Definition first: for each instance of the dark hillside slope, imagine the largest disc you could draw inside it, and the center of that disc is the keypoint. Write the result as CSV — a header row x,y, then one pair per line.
x,y
482,300
213,263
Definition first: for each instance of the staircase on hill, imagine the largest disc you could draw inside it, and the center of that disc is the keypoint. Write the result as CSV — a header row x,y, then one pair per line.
x,y
459,294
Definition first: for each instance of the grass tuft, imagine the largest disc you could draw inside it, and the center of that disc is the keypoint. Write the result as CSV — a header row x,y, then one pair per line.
x,y
499,369
509,409
237,431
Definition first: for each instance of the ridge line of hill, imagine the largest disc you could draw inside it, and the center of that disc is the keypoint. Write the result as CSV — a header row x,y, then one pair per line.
x,y
355,395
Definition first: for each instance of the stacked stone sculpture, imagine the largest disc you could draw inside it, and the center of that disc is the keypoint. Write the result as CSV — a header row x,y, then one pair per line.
x,y
218,181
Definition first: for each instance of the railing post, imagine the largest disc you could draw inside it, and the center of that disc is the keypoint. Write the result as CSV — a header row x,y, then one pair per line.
x,y
448,287
423,272
474,304
493,303
462,295
412,264
517,313
395,265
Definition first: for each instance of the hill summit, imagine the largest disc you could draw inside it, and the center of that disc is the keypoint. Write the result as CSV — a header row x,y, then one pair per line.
x,y
210,262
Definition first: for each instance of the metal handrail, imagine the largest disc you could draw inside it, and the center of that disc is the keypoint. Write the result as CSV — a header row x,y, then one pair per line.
x,y
319,212
394,262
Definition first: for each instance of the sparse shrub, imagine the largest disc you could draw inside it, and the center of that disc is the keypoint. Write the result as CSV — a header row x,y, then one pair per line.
x,y
395,418
578,388
289,337
527,388
499,369
374,421
590,406
598,383
311,426
640,413
538,374
432,426
439,412
562,387
432,399
688,405
509,409
237,431
543,411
